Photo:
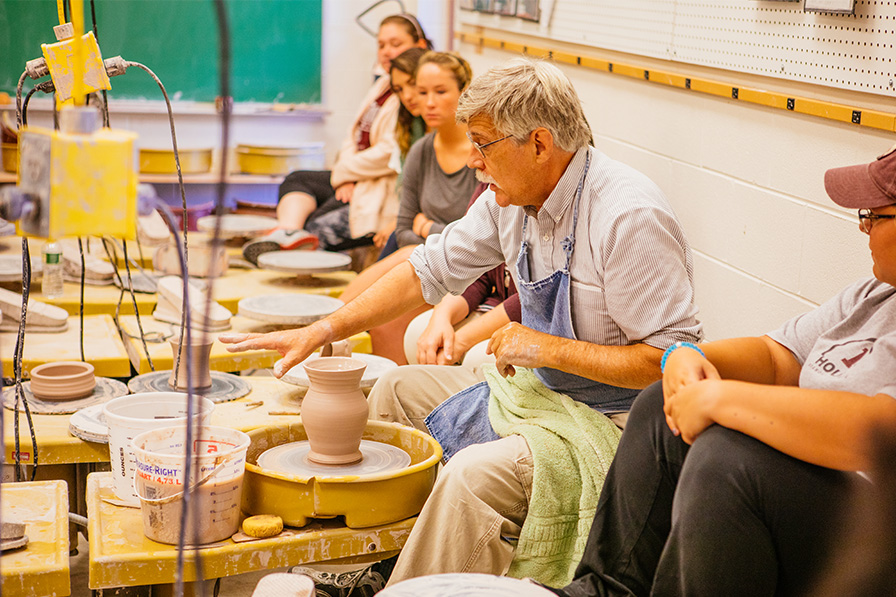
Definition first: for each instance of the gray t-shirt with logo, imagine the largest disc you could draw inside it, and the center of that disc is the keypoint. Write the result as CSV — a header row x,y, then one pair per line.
x,y
848,343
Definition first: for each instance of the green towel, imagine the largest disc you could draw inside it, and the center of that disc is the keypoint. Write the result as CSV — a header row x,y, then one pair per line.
x,y
572,447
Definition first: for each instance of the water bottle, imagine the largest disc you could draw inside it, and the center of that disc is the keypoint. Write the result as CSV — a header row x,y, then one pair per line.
x,y
51,284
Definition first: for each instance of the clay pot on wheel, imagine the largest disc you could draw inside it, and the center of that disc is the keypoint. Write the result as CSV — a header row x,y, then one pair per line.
x,y
63,380
201,346
334,410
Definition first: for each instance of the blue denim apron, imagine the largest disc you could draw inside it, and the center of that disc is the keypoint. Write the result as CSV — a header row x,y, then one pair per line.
x,y
462,420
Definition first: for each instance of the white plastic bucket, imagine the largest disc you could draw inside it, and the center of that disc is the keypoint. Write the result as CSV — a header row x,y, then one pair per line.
x,y
218,463
130,415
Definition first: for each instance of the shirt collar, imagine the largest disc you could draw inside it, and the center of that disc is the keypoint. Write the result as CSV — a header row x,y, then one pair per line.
x,y
560,199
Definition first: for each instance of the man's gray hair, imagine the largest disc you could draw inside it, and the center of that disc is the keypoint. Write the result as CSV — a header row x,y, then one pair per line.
x,y
523,95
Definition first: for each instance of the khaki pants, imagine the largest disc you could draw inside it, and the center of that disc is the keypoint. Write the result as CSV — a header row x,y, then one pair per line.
x,y
477,507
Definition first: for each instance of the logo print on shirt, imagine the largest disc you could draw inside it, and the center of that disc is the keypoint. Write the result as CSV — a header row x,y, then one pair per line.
x,y
844,357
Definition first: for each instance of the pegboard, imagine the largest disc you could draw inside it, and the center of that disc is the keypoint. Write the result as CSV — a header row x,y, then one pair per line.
x,y
776,39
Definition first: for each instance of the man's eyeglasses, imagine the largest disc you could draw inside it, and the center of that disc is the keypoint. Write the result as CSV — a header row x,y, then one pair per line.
x,y
479,147
867,220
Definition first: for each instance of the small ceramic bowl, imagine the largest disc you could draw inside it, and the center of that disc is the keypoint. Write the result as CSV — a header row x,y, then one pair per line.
x,y
63,380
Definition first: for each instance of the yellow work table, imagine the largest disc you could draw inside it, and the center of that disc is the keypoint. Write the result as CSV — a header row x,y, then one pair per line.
x,y
238,284
102,347
234,285
41,567
220,359
99,299
121,555
57,446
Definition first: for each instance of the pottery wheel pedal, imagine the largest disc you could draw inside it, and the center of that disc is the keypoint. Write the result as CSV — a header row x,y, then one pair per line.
x,y
169,307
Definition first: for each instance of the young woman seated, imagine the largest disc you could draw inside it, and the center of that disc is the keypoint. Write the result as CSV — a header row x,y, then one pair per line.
x,y
436,187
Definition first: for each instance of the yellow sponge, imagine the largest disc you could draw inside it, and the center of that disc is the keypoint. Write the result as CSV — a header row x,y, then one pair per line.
x,y
263,525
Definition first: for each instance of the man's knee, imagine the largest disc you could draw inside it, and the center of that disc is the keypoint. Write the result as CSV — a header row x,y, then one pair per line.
x,y
491,469
720,465
383,398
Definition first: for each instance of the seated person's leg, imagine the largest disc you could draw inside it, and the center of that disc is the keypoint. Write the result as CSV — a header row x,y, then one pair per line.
x,y
748,520
373,273
293,210
301,193
728,516
480,497
635,507
331,228
390,247
408,394
387,340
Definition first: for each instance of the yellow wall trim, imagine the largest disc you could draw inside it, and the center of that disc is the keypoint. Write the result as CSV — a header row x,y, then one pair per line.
x,y
801,105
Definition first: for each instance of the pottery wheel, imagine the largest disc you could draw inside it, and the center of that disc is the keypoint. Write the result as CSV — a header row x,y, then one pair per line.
x,y
225,386
469,585
304,262
11,268
105,390
288,309
90,425
376,366
292,459
237,225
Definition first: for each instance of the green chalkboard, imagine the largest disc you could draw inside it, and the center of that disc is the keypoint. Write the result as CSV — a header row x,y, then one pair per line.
x,y
275,46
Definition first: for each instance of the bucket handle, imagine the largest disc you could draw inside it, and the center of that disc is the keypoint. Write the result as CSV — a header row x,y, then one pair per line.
x,y
171,498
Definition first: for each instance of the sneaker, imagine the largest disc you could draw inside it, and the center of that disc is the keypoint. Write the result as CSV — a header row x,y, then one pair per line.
x,y
364,582
279,239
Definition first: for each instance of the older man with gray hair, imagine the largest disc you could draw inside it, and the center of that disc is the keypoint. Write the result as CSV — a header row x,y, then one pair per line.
x,y
605,278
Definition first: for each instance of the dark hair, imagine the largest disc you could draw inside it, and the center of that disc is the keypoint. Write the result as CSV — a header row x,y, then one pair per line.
x,y
405,62
410,24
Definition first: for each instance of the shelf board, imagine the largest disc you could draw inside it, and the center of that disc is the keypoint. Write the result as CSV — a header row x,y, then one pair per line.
x,y
205,178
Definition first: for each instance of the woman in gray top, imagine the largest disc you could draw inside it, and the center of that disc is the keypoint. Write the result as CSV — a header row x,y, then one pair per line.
x,y
437,183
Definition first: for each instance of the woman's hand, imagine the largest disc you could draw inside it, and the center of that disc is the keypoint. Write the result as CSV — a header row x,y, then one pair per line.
x,y
421,225
345,191
685,366
689,411
382,236
517,345
295,345
435,346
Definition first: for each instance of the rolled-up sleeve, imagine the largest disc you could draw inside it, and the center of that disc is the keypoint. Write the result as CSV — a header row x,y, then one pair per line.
x,y
449,262
648,278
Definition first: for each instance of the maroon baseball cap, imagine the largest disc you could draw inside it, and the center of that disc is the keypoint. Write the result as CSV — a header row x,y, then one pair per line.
x,y
865,185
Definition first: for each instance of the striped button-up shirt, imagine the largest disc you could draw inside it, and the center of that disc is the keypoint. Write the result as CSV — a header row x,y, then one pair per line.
x,y
631,270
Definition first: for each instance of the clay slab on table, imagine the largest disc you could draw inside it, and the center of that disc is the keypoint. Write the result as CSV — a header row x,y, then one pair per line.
x,y
288,309
304,262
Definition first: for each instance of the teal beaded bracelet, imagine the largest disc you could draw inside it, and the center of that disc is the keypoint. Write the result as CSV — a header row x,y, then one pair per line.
x,y
676,346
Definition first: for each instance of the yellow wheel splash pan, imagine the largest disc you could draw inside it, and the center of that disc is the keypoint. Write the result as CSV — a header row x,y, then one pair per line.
x,y
161,161
364,500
